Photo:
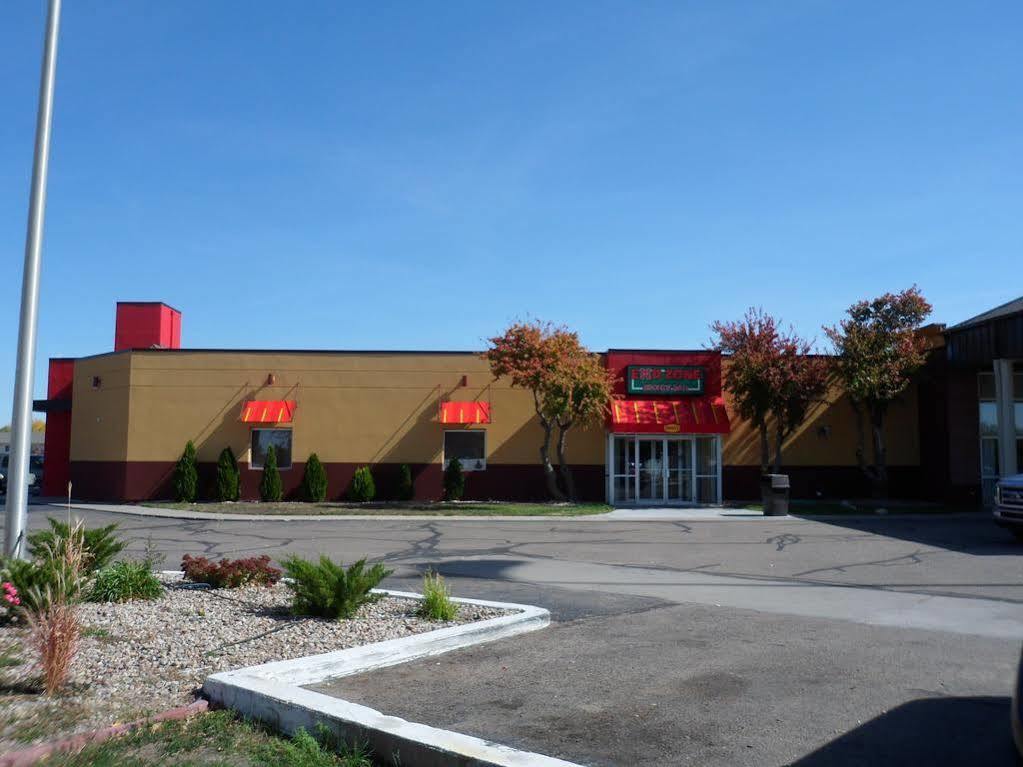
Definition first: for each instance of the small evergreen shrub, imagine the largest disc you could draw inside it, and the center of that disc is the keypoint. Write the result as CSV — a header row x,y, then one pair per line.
x,y
328,590
228,476
437,604
270,489
125,580
186,475
231,573
406,490
40,581
363,488
99,544
314,481
454,481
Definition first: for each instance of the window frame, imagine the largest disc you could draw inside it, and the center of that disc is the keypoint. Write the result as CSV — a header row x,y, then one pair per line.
x,y
468,464
253,466
987,480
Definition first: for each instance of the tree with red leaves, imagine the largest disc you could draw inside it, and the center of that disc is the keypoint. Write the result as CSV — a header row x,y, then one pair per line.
x,y
879,351
570,385
772,376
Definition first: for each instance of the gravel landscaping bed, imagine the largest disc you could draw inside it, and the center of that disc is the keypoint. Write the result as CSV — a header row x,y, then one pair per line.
x,y
143,657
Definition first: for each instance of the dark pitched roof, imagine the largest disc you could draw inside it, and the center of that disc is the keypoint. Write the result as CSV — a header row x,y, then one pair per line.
x,y
1005,310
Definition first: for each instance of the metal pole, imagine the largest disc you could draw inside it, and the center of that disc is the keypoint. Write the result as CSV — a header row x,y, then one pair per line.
x,y
21,420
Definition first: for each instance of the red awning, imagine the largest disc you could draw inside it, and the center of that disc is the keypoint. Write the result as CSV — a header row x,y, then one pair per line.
x,y
268,411
693,415
464,412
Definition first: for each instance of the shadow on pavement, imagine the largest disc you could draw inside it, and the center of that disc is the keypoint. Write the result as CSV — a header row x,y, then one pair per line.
x,y
979,536
929,731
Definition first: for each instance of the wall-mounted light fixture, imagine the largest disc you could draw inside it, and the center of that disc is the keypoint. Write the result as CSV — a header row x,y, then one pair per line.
x,y
271,379
96,382
465,381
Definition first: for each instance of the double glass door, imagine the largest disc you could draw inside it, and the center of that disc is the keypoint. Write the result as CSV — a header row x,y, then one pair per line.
x,y
664,469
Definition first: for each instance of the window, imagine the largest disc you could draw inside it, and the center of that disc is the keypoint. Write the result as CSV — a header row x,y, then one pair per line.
x,y
262,439
469,447
707,470
1017,411
988,436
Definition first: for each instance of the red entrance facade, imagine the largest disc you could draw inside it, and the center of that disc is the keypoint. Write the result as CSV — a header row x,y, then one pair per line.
x,y
665,427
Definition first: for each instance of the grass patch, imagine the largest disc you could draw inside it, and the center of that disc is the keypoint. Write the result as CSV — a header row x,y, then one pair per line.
x,y
437,604
51,720
218,738
124,581
414,509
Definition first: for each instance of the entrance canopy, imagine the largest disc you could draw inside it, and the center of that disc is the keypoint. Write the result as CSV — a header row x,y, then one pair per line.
x,y
693,415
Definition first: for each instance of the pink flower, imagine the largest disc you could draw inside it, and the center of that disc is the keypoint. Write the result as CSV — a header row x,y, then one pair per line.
x,y
10,593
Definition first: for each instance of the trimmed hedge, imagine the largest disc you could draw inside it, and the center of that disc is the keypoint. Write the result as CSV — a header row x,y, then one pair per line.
x,y
314,481
363,488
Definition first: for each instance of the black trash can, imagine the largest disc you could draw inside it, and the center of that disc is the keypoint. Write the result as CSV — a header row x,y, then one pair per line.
x,y
775,492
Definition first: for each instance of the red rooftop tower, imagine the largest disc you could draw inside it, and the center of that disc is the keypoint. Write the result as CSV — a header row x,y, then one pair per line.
x,y
146,325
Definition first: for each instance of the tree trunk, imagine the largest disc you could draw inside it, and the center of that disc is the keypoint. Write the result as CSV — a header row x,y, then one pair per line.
x,y
880,478
548,468
765,449
563,468
779,438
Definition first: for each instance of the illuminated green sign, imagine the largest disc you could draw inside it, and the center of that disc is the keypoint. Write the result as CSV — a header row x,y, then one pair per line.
x,y
664,379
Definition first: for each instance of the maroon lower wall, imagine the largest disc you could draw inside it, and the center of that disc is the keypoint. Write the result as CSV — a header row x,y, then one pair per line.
x,y
149,480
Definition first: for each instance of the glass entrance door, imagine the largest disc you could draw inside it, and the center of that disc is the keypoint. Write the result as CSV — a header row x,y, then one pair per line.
x,y
680,470
650,463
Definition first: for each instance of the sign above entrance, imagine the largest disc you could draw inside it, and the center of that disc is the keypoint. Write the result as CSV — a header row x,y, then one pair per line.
x,y
664,379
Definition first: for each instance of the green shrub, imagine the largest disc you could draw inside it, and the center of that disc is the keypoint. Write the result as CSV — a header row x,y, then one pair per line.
x,y
124,580
363,488
406,490
454,481
41,581
437,604
270,489
61,566
186,475
99,546
314,481
228,477
329,590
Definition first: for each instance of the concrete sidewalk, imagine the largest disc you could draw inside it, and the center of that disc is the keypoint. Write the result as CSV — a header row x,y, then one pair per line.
x,y
659,514
631,514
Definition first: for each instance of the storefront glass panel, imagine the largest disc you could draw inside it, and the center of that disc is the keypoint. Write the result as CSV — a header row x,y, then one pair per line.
x,y
680,470
652,470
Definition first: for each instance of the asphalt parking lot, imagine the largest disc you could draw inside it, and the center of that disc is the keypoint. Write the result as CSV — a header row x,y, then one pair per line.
x,y
712,642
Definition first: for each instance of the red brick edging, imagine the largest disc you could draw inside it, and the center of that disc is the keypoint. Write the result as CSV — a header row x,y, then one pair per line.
x,y
30,756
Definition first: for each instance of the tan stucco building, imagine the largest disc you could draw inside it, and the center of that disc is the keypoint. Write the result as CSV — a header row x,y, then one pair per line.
x,y
118,421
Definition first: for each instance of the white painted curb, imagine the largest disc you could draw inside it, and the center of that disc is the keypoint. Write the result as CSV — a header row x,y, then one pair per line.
x,y
274,693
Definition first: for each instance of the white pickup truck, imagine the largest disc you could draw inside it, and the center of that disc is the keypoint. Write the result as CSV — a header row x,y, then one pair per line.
x,y
1008,509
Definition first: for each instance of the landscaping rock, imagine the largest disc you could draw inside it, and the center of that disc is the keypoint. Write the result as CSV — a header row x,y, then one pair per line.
x,y
142,657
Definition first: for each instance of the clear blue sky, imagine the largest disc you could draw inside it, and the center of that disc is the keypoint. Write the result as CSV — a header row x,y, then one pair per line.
x,y
413,175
